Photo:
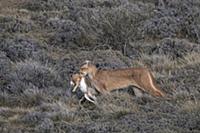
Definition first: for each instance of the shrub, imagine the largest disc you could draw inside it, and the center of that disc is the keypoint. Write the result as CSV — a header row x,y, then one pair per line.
x,y
5,64
106,27
46,125
12,25
44,5
31,119
37,74
173,19
18,48
175,48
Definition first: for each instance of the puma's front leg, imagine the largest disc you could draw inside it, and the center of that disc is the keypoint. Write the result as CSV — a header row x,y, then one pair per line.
x,y
99,86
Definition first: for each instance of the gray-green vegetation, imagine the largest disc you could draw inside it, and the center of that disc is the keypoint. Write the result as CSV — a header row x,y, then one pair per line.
x,y
43,42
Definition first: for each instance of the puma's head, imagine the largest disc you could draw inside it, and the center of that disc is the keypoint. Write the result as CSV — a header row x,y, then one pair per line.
x,y
88,68
75,81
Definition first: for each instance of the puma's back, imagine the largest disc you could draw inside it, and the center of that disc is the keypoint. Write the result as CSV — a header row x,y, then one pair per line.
x,y
119,78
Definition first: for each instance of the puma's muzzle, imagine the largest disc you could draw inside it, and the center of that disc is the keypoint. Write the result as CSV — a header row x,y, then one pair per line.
x,y
83,73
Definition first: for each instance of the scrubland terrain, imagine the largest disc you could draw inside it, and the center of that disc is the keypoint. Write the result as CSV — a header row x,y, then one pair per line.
x,y
42,42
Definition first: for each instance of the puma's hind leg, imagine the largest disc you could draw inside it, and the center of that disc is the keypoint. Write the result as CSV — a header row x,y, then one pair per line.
x,y
137,92
154,89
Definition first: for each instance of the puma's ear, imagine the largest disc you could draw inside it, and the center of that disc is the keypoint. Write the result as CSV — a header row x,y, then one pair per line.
x,y
97,65
87,62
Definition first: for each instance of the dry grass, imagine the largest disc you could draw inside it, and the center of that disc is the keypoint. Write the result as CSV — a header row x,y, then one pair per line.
x,y
118,102
43,42
189,60
191,106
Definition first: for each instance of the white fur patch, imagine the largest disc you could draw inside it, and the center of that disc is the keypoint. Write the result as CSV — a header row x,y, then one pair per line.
x,y
83,85
71,83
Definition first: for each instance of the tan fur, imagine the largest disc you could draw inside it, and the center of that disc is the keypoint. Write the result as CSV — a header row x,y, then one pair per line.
x,y
112,79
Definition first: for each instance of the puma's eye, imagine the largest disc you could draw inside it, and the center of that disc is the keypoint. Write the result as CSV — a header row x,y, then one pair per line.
x,y
82,69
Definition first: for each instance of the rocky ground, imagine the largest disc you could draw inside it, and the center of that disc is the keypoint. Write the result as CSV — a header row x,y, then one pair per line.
x,y
42,42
